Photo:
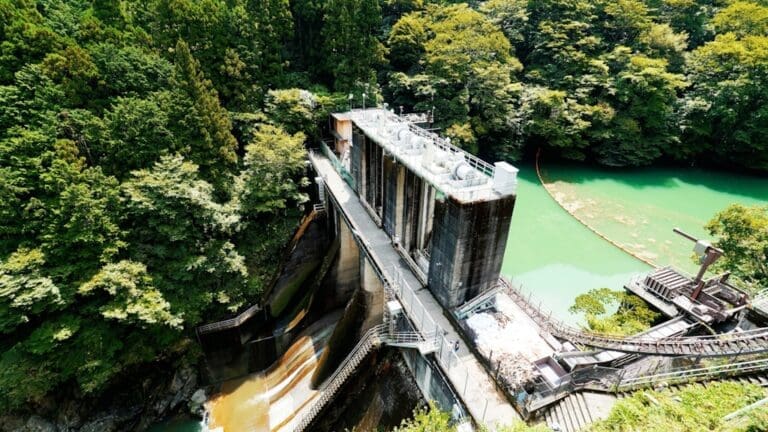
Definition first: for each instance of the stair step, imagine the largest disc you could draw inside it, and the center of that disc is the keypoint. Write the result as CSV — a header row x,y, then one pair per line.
x,y
572,416
567,416
560,418
587,411
583,409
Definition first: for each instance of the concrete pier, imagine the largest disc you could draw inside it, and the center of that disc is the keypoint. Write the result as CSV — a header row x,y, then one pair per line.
x,y
472,383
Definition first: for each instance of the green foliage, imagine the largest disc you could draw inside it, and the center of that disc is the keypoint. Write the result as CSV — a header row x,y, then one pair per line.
x,y
296,111
692,408
152,153
133,299
24,291
182,234
456,60
743,19
742,233
614,312
211,143
427,420
271,159
352,49
432,419
121,220
727,99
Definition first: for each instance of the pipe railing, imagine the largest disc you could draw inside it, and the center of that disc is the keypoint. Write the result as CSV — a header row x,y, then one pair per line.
x,y
614,380
742,342
332,384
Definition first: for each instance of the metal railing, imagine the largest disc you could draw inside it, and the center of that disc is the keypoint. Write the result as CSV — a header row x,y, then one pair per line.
x,y
337,165
613,380
229,323
376,123
330,386
475,162
735,343
413,306
691,374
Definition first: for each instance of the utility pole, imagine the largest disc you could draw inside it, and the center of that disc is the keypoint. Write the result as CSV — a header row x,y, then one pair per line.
x,y
707,254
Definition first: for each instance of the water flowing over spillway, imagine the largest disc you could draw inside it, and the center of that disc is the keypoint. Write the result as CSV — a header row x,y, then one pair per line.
x,y
269,400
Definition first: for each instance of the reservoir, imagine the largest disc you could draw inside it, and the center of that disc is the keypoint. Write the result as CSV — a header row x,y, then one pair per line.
x,y
555,258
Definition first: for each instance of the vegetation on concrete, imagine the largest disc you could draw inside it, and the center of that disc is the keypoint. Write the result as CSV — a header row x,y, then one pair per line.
x,y
432,419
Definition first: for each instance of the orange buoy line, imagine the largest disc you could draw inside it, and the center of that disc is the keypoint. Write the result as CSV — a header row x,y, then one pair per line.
x,y
581,221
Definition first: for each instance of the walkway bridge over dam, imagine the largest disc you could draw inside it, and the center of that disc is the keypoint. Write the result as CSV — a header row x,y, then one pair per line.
x,y
424,227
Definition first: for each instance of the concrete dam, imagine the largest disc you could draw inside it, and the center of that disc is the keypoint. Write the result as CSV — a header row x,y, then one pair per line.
x,y
404,243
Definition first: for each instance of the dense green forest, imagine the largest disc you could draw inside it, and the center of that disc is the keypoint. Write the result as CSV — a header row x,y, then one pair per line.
x,y
151,152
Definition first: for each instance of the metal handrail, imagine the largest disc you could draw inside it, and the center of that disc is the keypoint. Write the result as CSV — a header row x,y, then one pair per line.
x,y
743,342
331,385
614,380
474,161
229,323
694,374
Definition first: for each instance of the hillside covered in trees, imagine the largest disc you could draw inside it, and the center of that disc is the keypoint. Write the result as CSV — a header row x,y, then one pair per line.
x,y
152,152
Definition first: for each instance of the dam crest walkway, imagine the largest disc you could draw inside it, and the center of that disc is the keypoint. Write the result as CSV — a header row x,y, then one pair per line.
x,y
477,389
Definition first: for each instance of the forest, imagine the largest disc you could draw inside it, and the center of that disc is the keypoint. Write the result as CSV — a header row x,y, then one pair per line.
x,y
152,152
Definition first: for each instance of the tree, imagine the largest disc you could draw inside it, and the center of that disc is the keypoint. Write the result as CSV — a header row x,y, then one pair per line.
x,y
742,19
742,233
464,70
139,132
179,231
632,315
727,100
25,292
644,125
207,125
295,110
352,49
511,16
132,297
273,159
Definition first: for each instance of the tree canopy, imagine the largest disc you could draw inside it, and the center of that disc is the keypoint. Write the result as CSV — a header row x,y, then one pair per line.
x,y
129,210
742,232
152,152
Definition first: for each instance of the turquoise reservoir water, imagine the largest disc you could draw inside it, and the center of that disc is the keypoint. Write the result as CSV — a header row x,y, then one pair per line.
x,y
555,258
638,208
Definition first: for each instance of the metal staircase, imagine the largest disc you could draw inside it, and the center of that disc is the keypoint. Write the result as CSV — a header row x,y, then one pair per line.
x,y
330,386
728,344
578,409
412,340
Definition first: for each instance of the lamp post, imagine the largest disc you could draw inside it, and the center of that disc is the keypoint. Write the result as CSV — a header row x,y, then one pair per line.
x,y
349,98
364,95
